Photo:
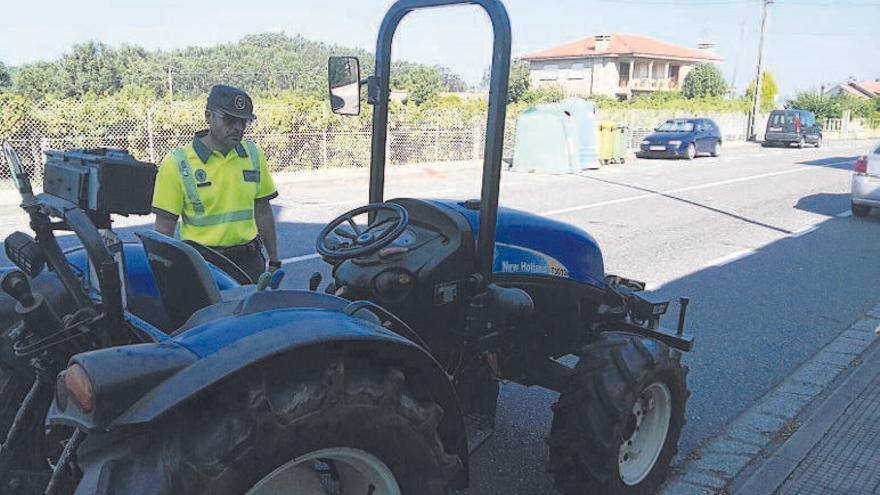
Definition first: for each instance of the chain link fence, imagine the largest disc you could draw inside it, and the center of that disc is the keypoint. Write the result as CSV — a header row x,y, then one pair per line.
x,y
297,138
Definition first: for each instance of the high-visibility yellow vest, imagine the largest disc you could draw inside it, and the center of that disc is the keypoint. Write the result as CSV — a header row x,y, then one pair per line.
x,y
214,198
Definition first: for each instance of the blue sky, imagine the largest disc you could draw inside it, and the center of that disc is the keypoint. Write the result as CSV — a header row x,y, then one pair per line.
x,y
811,42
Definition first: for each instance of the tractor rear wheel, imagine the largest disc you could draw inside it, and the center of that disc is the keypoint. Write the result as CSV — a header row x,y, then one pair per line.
x,y
349,427
616,430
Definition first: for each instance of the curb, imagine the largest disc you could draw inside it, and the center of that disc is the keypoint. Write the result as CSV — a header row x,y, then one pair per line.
x,y
772,474
757,431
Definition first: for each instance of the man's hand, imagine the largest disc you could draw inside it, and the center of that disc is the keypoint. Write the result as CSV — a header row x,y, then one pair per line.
x,y
273,266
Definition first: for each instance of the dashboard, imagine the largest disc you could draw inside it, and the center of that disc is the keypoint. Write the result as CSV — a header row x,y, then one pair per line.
x,y
434,250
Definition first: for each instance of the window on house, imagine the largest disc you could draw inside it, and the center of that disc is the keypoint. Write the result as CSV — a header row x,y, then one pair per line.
x,y
576,72
623,70
550,72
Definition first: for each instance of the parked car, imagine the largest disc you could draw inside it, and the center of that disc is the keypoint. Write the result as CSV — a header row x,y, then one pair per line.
x,y
866,183
682,138
787,127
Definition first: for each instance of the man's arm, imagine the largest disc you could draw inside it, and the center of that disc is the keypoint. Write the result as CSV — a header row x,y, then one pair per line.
x,y
165,224
266,227
167,197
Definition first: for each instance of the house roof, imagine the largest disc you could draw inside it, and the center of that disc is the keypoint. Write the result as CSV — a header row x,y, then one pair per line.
x,y
862,89
621,44
870,87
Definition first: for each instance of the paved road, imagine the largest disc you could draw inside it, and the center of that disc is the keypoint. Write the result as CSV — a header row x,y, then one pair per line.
x,y
759,239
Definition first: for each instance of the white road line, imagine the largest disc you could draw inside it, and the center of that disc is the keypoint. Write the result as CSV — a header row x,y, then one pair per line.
x,y
363,201
297,259
684,189
844,214
803,232
730,258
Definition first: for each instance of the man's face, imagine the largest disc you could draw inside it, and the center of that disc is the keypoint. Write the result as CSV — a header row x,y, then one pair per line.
x,y
225,128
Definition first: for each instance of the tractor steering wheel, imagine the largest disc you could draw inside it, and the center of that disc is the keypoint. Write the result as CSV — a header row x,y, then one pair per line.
x,y
340,243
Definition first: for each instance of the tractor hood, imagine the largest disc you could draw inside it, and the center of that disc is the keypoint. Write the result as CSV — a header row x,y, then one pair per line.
x,y
529,244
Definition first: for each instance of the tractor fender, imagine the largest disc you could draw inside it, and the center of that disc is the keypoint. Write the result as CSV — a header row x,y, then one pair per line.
x,y
229,346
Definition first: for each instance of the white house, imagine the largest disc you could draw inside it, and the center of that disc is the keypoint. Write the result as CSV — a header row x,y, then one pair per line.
x,y
616,65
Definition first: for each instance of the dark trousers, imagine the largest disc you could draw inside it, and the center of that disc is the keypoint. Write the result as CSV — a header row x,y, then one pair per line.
x,y
249,257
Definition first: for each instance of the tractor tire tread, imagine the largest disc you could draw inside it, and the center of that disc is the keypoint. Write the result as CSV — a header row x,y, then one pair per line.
x,y
230,446
587,425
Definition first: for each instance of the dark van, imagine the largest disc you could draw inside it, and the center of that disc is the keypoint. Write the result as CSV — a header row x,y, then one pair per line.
x,y
787,127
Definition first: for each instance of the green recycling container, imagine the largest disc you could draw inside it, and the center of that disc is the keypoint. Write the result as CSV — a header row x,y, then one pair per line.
x,y
620,145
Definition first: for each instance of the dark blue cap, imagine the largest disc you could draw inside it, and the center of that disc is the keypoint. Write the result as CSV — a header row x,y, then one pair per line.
x,y
232,101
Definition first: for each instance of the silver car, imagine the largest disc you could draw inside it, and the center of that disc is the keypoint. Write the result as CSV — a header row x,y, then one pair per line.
x,y
866,183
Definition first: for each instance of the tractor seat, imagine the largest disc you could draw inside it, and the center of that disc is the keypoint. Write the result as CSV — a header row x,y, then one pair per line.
x,y
183,278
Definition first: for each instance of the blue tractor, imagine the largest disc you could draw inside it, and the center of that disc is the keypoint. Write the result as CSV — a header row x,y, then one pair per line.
x,y
159,368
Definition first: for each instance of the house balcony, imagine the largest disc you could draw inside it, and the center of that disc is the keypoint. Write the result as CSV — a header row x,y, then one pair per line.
x,y
646,84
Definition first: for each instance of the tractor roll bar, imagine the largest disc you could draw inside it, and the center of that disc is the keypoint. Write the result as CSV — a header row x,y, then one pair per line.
x,y
494,125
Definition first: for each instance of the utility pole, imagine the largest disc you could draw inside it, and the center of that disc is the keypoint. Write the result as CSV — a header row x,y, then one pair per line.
x,y
756,95
170,86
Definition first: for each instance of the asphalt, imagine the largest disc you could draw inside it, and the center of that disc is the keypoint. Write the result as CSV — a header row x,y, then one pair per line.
x,y
758,239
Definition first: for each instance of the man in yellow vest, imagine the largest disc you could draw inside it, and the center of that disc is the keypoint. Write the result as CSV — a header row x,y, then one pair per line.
x,y
219,186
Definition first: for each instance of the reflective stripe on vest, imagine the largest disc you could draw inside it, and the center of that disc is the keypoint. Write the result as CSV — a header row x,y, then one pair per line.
x,y
192,193
255,160
189,184
220,218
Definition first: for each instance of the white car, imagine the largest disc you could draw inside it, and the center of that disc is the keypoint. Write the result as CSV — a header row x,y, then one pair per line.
x,y
866,183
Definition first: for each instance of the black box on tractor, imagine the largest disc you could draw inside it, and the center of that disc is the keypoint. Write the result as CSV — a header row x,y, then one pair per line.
x,y
101,180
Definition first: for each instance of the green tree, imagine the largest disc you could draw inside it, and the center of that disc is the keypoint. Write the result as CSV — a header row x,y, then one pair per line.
x,y
520,80
92,68
422,84
704,80
824,107
40,80
833,107
450,81
769,90
5,77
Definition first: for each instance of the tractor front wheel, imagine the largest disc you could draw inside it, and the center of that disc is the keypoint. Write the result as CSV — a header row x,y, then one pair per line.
x,y
616,429
350,427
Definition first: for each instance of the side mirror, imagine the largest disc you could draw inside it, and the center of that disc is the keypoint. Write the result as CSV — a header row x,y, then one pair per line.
x,y
344,78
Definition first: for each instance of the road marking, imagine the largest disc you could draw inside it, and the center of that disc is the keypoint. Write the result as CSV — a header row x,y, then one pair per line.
x,y
684,189
730,258
844,214
297,259
803,232
361,201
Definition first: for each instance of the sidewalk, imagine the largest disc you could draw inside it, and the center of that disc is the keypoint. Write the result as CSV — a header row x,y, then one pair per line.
x,y
837,448
816,433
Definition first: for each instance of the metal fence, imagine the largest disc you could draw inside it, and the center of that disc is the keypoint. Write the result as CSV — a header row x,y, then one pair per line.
x,y
299,139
